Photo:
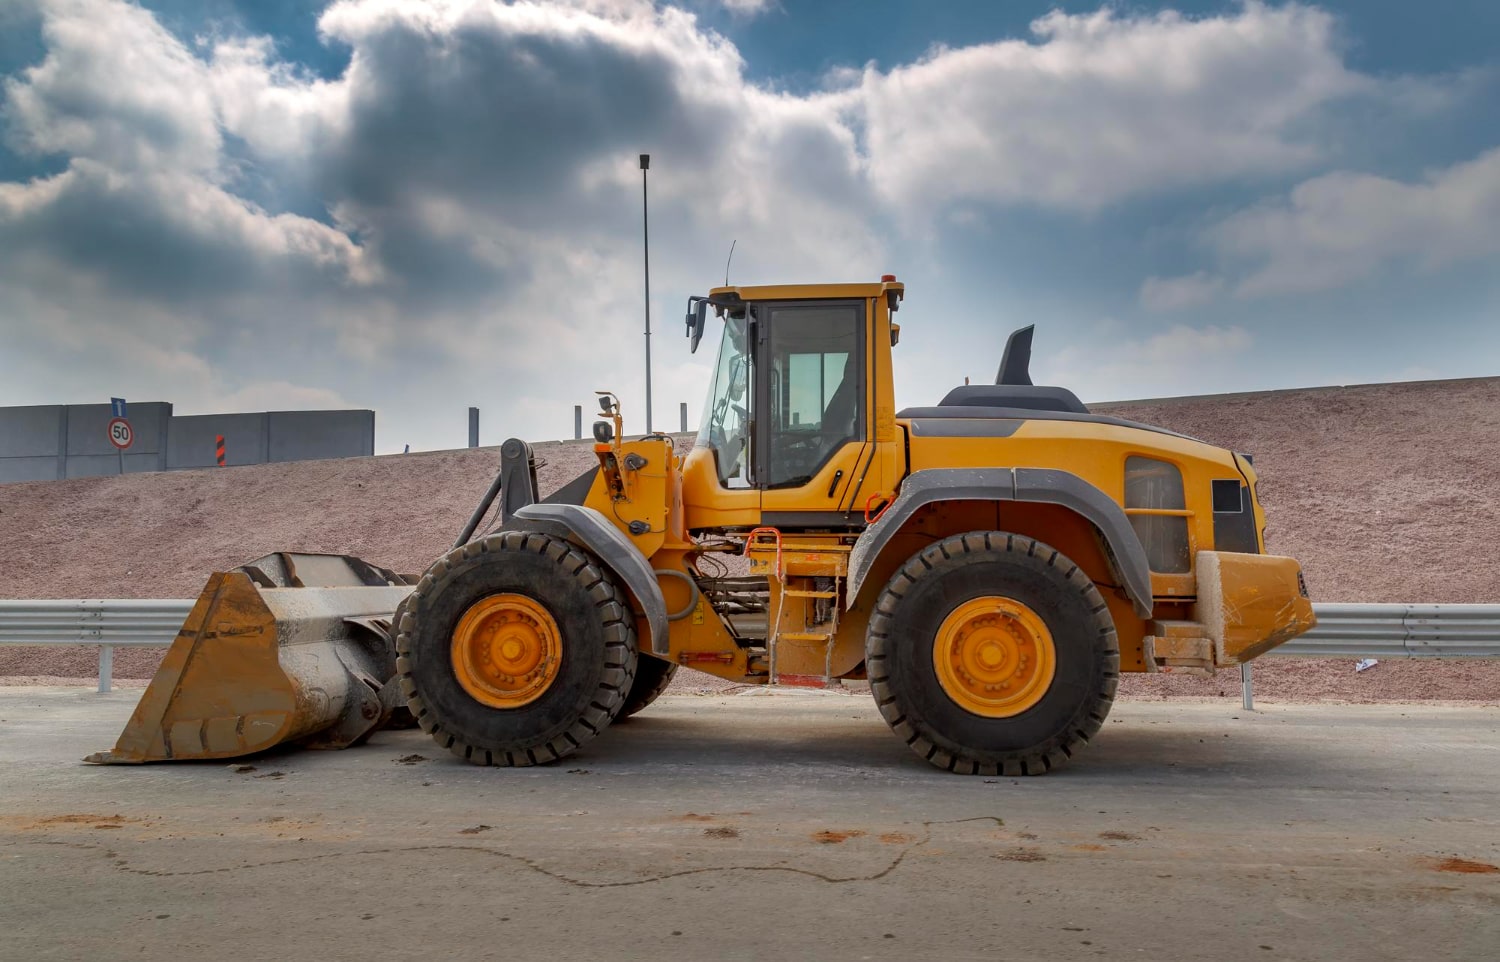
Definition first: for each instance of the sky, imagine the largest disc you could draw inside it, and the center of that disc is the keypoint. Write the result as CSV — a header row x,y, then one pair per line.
x,y
417,207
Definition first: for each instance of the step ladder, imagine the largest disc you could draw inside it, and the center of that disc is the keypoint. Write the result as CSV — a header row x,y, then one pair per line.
x,y
806,576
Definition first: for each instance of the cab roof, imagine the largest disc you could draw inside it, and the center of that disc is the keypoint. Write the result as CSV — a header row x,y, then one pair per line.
x,y
810,292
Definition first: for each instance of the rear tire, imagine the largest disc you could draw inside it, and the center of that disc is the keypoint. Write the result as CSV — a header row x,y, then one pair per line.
x,y
588,682
652,676
1066,705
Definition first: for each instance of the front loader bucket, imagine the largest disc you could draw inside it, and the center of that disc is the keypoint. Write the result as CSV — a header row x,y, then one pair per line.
x,y
290,648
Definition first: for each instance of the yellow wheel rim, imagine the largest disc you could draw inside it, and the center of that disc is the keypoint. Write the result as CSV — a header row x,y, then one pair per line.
x,y
506,650
994,657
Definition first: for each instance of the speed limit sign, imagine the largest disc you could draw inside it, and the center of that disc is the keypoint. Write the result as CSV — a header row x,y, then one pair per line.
x,y
120,434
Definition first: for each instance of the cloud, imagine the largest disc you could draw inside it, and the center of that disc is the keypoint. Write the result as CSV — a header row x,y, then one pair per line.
x,y
169,236
1342,227
1179,293
1105,106
748,8
276,396
114,88
137,268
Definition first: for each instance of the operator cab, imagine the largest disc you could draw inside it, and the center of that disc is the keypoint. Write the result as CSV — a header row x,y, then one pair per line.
x,y
810,389
789,400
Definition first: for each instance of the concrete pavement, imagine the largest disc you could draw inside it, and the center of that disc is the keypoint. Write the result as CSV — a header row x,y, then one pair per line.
x,y
791,825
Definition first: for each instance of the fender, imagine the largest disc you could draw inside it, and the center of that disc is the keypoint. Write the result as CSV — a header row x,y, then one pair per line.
x,y
1044,485
591,531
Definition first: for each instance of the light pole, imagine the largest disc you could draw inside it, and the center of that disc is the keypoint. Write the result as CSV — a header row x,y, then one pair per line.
x,y
646,253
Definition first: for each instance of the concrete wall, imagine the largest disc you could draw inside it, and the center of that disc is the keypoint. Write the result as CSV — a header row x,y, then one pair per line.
x,y
306,435
30,441
271,436
191,440
89,453
53,441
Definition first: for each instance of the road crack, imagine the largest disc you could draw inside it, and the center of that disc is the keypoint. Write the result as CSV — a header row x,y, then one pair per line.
x,y
123,865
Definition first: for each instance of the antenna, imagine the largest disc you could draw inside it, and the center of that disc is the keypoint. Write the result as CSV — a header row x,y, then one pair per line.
x,y
728,259
646,259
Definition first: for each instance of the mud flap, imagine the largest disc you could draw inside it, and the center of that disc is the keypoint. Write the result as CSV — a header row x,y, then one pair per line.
x,y
290,648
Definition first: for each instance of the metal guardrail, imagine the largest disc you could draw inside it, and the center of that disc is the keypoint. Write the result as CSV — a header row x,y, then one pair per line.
x,y
1400,631
119,621
1390,631
1343,631
108,623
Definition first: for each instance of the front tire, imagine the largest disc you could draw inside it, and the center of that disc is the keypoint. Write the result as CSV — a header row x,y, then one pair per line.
x,y
991,653
516,649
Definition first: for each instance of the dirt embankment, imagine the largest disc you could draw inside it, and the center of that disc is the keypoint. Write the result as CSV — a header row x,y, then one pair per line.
x,y
1385,493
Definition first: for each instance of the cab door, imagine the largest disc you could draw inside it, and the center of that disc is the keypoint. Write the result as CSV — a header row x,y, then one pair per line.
x,y
812,412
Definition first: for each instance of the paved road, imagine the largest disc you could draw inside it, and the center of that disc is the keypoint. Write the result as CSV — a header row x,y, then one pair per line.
x,y
766,827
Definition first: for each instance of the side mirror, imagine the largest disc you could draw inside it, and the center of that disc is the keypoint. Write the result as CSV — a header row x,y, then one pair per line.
x,y
697,317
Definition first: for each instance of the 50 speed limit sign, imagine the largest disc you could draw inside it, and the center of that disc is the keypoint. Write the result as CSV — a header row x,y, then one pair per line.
x,y
120,434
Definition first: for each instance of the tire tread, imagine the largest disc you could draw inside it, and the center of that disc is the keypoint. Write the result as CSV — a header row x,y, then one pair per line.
x,y
608,697
1037,759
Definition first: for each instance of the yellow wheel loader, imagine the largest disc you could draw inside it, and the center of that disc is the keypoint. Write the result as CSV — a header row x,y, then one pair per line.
x,y
989,564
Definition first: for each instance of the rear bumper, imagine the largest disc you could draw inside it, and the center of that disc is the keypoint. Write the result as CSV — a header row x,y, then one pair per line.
x,y
1250,603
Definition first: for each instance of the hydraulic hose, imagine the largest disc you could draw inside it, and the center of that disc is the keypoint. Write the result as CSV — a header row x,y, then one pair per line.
x,y
692,589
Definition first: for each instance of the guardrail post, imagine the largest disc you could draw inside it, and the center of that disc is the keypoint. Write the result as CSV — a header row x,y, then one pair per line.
x,y
106,666
1247,682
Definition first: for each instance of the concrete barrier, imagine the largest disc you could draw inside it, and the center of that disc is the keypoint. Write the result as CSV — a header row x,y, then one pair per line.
x,y
50,442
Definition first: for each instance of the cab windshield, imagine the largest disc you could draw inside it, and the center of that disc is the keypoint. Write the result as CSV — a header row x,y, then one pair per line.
x,y
726,416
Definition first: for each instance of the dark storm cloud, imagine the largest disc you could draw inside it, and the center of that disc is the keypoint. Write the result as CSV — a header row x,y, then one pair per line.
x,y
173,240
491,113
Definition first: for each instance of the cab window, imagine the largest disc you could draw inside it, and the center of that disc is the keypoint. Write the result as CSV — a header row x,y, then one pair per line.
x,y
813,388
726,418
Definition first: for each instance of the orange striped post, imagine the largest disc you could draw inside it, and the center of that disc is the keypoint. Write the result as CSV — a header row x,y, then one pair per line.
x,y
219,449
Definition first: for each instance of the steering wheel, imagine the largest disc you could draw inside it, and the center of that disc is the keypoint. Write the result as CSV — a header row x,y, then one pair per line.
x,y
799,455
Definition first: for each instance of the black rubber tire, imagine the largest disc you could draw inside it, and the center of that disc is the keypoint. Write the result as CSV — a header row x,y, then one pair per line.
x,y
652,676
899,651
598,649
392,699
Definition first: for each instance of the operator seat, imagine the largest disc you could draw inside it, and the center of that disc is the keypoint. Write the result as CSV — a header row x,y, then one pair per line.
x,y
843,408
